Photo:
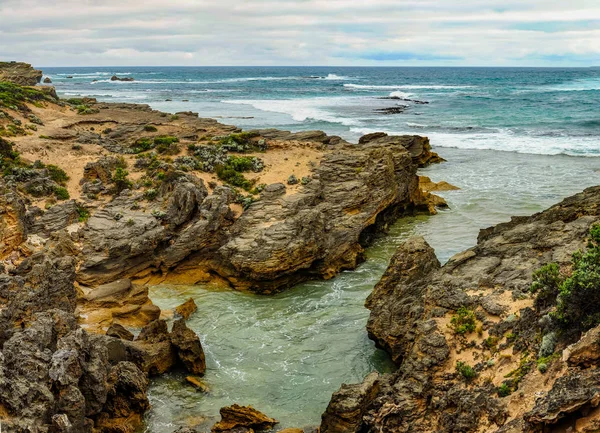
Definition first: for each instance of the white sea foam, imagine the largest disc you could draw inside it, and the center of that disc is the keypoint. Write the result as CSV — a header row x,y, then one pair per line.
x,y
402,86
335,77
301,110
401,95
503,140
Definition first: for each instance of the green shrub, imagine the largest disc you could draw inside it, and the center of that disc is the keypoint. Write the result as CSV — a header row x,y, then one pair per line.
x,y
150,194
84,214
143,144
463,322
233,177
122,182
86,109
150,128
57,174
242,142
465,370
546,283
504,390
75,101
240,163
14,96
61,193
576,296
121,162
165,140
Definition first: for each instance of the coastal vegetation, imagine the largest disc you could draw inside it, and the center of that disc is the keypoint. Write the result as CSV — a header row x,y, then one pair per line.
x,y
572,295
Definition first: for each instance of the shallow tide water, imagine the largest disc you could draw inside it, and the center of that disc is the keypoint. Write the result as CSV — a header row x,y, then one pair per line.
x,y
288,353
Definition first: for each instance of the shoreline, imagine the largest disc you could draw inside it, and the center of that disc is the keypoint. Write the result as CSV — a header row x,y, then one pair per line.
x,y
139,211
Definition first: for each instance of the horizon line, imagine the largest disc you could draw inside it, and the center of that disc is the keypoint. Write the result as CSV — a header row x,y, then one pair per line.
x,y
318,66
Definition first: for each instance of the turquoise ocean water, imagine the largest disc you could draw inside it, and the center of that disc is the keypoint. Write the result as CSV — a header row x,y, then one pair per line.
x,y
516,141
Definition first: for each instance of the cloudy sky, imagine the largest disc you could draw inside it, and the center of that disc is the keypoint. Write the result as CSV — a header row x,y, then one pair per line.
x,y
301,32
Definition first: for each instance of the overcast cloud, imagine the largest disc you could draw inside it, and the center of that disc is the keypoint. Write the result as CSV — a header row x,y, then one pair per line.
x,y
301,32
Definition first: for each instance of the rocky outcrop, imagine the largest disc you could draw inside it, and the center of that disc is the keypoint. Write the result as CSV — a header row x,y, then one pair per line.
x,y
242,419
463,336
119,302
54,376
20,73
418,146
348,406
321,230
116,78
393,325
156,350
313,233
13,229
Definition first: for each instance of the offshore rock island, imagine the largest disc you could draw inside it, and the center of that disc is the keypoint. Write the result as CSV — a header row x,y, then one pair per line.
x,y
102,200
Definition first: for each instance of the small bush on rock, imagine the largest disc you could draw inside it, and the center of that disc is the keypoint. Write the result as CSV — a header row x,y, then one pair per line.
x,y
576,295
121,180
61,193
57,174
463,322
466,371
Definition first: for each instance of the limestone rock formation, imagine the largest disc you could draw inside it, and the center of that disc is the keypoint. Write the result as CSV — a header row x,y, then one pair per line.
x,y
20,73
466,337
186,309
53,374
242,417
321,230
349,405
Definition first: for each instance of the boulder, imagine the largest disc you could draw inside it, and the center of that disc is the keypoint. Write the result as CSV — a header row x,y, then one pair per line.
x,y
47,80
119,331
186,309
244,417
586,352
188,347
56,218
348,406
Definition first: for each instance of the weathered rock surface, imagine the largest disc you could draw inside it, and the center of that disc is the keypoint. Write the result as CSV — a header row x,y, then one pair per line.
x,y
278,241
13,229
393,325
53,374
242,417
348,406
19,73
413,309
189,350
283,239
186,309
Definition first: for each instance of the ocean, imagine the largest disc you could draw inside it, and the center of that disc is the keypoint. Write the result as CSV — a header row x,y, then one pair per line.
x,y
516,141
528,110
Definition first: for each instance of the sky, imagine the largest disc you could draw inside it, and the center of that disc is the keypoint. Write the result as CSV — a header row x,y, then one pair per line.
x,y
301,32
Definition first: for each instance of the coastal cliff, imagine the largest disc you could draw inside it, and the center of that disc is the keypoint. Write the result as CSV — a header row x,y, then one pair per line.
x,y
492,341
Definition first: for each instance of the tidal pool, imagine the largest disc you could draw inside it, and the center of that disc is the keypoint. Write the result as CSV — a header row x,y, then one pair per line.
x,y
286,354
